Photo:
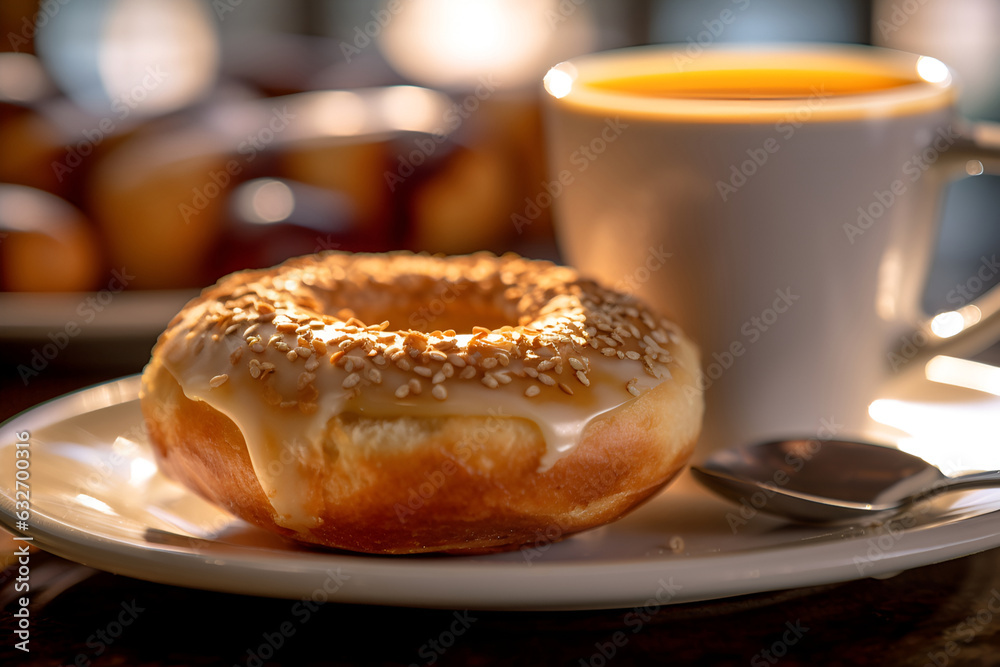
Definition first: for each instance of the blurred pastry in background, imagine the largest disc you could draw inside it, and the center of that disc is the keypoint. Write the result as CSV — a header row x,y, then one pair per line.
x,y
159,199
46,244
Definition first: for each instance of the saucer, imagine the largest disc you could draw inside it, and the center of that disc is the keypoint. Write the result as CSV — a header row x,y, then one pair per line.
x,y
97,497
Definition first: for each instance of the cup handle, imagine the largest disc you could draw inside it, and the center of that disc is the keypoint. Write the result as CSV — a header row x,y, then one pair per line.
x,y
976,325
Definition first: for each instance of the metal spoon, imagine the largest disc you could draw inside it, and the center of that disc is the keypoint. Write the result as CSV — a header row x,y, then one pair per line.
x,y
827,480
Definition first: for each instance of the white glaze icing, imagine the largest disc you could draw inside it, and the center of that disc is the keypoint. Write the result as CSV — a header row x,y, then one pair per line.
x,y
283,442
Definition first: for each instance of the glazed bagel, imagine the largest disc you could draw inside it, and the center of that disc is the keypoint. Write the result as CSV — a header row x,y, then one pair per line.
x,y
405,403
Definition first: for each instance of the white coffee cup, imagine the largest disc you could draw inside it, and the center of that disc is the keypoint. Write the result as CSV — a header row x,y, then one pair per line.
x,y
780,203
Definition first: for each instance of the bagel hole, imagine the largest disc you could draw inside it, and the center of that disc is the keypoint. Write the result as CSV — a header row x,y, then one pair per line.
x,y
440,307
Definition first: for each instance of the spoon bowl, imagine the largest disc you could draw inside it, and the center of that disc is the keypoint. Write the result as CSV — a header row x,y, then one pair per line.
x,y
823,481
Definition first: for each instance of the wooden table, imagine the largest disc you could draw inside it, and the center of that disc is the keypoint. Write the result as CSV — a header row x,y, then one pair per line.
x,y
943,614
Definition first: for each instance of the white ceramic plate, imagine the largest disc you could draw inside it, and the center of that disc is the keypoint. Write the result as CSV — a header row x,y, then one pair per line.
x,y
97,498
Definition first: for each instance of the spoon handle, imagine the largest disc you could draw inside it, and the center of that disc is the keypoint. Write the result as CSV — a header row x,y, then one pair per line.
x,y
972,480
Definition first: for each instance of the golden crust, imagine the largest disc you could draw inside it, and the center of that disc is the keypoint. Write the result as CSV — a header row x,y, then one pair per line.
x,y
410,483
438,493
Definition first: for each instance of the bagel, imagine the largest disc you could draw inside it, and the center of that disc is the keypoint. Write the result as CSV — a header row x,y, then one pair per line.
x,y
400,403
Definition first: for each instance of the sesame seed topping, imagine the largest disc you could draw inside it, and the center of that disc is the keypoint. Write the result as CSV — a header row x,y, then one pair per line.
x,y
218,381
305,379
564,321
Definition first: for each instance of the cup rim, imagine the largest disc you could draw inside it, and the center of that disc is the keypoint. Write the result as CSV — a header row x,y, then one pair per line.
x,y
933,85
